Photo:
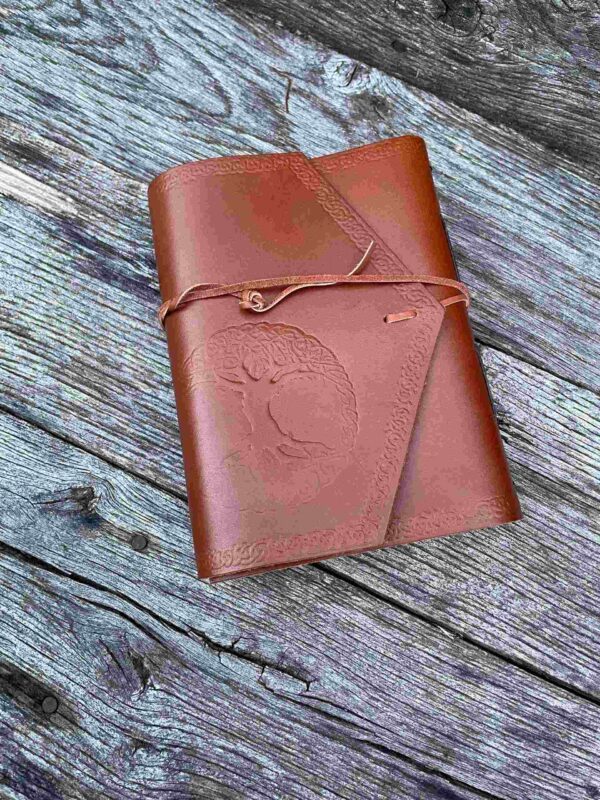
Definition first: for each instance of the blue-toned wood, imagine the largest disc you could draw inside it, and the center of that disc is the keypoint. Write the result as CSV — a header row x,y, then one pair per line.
x,y
457,668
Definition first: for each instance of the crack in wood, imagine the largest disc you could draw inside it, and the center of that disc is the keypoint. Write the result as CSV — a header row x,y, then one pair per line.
x,y
286,686
329,569
238,651
144,672
137,659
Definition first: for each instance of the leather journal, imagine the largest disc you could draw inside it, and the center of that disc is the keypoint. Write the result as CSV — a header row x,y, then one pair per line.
x,y
329,394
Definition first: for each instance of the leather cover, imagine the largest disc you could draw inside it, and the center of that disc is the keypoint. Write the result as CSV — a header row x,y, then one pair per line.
x,y
317,429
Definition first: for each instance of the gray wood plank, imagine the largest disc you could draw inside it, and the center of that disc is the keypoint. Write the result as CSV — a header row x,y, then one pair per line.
x,y
147,710
533,66
524,221
78,310
293,684
527,592
81,329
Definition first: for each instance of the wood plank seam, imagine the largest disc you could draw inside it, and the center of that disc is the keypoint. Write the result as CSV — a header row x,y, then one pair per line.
x,y
41,496
409,760
376,29
29,560
330,568
198,635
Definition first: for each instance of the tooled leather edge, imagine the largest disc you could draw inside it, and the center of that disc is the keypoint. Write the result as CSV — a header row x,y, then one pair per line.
x,y
358,231
360,533
227,165
368,152
491,511
183,174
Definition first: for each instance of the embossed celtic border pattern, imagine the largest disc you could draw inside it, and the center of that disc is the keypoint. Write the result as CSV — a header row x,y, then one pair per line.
x,y
228,165
487,513
183,174
368,152
358,231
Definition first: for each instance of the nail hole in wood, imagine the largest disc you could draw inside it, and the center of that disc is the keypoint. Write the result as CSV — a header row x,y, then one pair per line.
x,y
49,705
399,46
139,542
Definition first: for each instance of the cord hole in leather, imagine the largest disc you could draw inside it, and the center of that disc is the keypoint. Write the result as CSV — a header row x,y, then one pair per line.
x,y
401,316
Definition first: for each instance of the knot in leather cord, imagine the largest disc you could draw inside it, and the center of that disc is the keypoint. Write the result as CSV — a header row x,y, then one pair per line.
x,y
251,299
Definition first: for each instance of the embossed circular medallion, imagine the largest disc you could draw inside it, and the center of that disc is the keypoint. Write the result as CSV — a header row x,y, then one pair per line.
x,y
289,411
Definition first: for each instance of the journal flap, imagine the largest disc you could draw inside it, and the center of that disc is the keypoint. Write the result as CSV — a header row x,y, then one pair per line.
x,y
295,424
456,476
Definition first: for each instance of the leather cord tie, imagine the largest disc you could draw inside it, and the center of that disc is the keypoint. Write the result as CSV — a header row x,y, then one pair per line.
x,y
251,299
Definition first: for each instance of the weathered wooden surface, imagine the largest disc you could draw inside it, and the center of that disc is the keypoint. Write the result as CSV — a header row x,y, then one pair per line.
x,y
527,262
455,668
534,66
159,672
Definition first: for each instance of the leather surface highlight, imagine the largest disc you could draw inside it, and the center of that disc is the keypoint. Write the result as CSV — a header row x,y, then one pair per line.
x,y
318,429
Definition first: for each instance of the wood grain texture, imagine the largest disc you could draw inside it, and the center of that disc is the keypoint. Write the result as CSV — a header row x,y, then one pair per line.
x,y
457,668
150,710
186,689
80,310
524,222
533,66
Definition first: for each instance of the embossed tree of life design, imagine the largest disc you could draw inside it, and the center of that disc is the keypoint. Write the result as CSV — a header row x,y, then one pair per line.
x,y
289,410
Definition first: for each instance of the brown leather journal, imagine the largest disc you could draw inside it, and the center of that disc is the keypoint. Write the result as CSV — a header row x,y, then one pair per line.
x,y
321,414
